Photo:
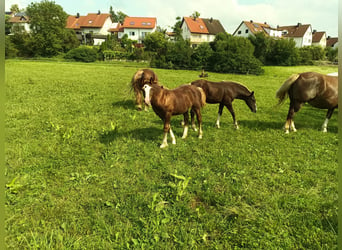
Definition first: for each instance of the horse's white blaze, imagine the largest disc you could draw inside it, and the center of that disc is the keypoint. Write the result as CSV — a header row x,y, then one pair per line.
x,y
325,125
147,90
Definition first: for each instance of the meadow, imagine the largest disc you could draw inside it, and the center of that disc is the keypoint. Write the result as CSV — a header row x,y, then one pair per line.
x,y
84,169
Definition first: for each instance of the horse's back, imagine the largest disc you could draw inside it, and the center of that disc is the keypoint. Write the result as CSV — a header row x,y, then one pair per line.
x,y
320,91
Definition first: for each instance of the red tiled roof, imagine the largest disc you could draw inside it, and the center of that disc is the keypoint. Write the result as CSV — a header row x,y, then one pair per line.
x,y
19,19
256,27
295,30
88,21
140,22
196,25
331,41
118,28
317,36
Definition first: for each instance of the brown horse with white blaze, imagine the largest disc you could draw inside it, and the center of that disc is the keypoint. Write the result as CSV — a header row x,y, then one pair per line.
x,y
139,79
224,93
320,91
166,103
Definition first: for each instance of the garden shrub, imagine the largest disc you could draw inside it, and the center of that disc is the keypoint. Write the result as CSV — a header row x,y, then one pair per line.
x,y
82,54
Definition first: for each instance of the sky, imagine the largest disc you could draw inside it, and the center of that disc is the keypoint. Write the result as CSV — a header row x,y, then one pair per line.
x,y
322,15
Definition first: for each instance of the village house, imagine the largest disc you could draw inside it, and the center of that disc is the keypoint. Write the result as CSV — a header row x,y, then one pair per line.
x,y
300,33
92,28
136,28
247,28
199,30
332,42
319,38
20,23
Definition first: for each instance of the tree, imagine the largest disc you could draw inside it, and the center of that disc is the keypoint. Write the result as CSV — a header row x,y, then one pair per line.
x,y
14,8
261,44
177,28
47,23
118,17
282,52
195,15
233,55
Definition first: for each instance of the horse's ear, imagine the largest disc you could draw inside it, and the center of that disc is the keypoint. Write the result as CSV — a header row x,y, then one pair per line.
x,y
252,93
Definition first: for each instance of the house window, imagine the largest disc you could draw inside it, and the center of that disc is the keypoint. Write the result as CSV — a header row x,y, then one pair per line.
x,y
239,32
246,31
132,33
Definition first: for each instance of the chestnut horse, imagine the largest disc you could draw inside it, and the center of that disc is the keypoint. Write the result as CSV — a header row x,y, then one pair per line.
x,y
320,91
166,103
139,79
224,93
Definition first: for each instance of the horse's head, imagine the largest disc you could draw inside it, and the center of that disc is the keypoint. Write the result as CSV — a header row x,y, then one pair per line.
x,y
147,89
251,102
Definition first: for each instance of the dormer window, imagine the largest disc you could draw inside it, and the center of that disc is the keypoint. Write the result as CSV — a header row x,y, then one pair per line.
x,y
132,23
90,21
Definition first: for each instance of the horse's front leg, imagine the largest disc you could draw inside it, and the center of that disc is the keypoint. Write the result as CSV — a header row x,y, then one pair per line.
x,y
327,118
231,110
186,125
167,128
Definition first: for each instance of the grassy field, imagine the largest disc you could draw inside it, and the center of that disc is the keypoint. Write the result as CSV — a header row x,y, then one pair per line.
x,y
84,169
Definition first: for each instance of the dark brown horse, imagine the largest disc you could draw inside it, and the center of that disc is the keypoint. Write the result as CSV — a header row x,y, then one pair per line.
x,y
166,103
320,91
139,79
224,93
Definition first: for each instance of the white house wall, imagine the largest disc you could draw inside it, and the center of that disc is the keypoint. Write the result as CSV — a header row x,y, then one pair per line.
x,y
106,26
136,34
243,31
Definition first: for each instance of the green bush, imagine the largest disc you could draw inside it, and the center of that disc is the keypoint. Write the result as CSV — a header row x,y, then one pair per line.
x,y
234,55
82,54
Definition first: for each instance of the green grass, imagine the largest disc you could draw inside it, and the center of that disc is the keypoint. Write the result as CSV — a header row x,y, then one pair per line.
x,y
84,169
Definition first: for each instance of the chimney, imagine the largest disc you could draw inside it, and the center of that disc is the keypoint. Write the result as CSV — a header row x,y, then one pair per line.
x,y
265,22
251,21
299,24
99,12
211,20
314,31
78,15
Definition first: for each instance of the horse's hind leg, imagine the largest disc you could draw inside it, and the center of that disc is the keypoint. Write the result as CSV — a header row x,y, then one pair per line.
x,y
217,124
193,125
327,118
138,99
199,120
289,124
186,125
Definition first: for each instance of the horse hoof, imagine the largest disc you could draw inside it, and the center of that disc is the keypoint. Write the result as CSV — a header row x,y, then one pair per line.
x,y
163,146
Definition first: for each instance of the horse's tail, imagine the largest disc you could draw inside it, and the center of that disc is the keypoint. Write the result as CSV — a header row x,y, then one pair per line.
x,y
203,96
135,79
282,92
